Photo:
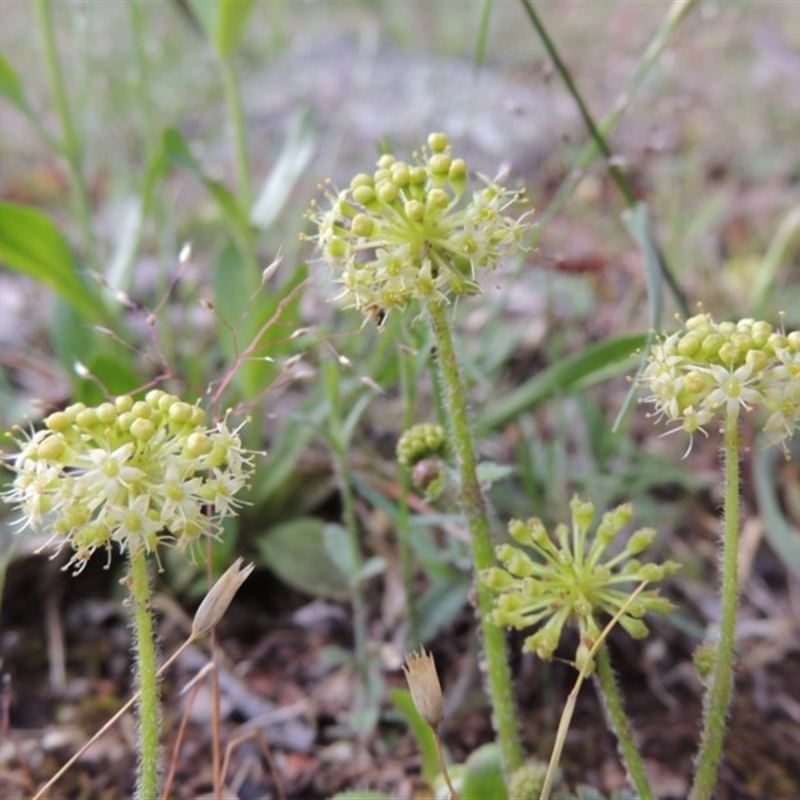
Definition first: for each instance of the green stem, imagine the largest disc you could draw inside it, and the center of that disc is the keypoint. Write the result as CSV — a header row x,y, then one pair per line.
x,y
622,729
70,146
598,133
147,671
474,509
338,441
407,383
718,697
233,98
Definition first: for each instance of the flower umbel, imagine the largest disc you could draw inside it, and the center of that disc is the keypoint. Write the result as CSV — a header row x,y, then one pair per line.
x,y
720,370
411,230
136,473
572,582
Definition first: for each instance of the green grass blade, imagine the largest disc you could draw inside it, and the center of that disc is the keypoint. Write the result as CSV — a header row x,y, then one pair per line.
x,y
294,157
483,34
32,245
596,363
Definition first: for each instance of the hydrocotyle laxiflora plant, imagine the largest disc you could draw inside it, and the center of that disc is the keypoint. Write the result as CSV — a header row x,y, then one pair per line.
x,y
713,373
136,475
412,233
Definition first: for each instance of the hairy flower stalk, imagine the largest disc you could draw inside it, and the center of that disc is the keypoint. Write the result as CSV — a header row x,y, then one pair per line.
x,y
139,475
411,232
715,373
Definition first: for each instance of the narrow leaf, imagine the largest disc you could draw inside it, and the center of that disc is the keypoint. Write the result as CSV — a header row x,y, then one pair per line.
x,y
593,365
231,19
32,245
11,87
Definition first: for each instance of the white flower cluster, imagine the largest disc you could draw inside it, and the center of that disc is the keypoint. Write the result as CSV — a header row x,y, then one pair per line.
x,y
410,231
136,473
714,370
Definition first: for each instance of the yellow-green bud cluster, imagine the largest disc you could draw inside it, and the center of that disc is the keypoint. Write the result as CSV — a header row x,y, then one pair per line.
x,y
138,473
713,370
571,581
410,230
420,442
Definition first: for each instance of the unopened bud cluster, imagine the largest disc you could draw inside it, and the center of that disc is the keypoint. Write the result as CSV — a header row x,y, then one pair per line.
x,y
419,442
138,473
411,230
571,581
712,370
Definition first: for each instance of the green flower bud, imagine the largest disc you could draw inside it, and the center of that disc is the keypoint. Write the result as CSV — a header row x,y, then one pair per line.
x,y
633,627
438,142
363,195
198,444
640,541
142,410
705,657
582,513
180,412
87,418
414,210
440,164
400,174
363,225
388,192
458,170
123,403
362,179
417,175
52,447
57,421
143,429
438,199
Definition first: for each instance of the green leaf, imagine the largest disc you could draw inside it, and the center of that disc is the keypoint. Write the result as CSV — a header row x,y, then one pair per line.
x,y
294,157
483,775
337,546
598,362
11,87
401,700
32,245
296,552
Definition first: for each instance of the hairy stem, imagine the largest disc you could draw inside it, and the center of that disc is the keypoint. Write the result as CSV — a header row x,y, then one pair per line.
x,y
474,509
621,726
718,698
146,677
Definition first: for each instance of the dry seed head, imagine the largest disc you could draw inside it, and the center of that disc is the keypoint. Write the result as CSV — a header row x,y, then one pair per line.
x,y
423,683
219,597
